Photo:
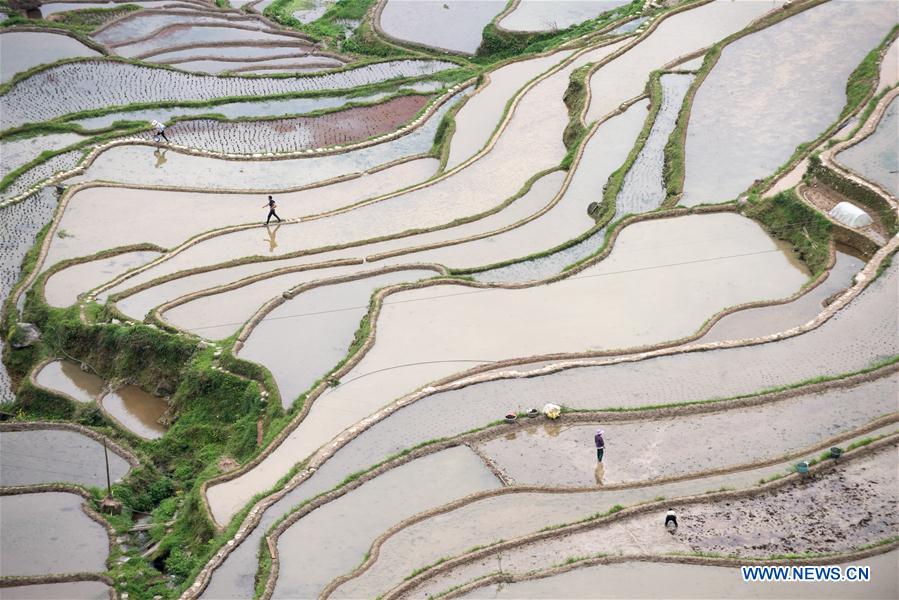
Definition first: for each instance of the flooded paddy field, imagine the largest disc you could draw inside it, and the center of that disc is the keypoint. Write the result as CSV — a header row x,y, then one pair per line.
x,y
23,50
17,153
559,455
38,456
680,34
218,315
629,579
48,533
481,114
74,590
641,189
420,320
489,520
378,504
724,156
63,288
188,170
137,411
301,340
94,84
544,15
432,165
67,377
286,135
440,321
766,320
452,25
862,486
234,110
876,158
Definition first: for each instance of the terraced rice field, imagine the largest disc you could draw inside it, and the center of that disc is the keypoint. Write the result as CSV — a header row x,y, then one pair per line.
x,y
479,210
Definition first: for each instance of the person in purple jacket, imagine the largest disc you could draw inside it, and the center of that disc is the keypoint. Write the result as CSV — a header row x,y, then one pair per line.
x,y
600,444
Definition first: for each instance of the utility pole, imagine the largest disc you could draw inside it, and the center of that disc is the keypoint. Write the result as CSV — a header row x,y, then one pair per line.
x,y
108,482
108,504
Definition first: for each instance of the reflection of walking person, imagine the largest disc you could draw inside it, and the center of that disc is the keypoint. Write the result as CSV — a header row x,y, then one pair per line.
x,y
159,128
272,242
600,445
160,157
271,210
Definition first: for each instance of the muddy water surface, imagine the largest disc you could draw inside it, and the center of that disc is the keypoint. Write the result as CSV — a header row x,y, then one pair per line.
x,y
551,15
537,122
595,309
23,50
792,83
138,164
876,158
48,455
625,77
67,377
604,152
73,590
334,539
508,516
182,35
264,108
457,195
304,338
478,118
137,411
859,493
889,67
218,316
422,337
48,533
648,580
641,190
453,25
563,455
766,320
62,288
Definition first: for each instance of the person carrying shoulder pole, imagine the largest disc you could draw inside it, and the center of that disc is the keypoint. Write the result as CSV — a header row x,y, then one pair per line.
x,y
159,128
271,210
600,445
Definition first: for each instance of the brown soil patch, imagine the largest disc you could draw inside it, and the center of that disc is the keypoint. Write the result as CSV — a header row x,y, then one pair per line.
x,y
825,198
839,511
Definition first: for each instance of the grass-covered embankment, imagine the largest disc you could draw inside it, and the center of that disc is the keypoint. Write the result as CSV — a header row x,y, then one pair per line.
x,y
214,413
788,218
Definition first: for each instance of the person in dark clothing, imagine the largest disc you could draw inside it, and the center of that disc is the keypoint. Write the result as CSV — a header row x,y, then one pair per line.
x,y
271,210
159,129
600,445
671,521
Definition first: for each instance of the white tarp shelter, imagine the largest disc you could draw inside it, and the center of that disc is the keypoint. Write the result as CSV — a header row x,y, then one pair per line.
x,y
850,214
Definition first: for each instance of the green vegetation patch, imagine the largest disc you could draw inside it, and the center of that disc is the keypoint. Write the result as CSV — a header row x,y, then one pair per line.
x,y
89,19
499,44
329,28
788,218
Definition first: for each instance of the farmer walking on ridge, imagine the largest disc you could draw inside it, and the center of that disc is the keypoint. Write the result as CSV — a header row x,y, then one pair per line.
x,y
159,128
600,445
271,210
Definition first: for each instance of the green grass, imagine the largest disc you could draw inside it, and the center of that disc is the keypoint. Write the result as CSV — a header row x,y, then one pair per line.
x,y
328,30
498,45
788,218
88,19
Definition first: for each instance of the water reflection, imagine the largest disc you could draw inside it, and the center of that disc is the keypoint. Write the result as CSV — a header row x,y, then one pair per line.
x,y
160,157
272,232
